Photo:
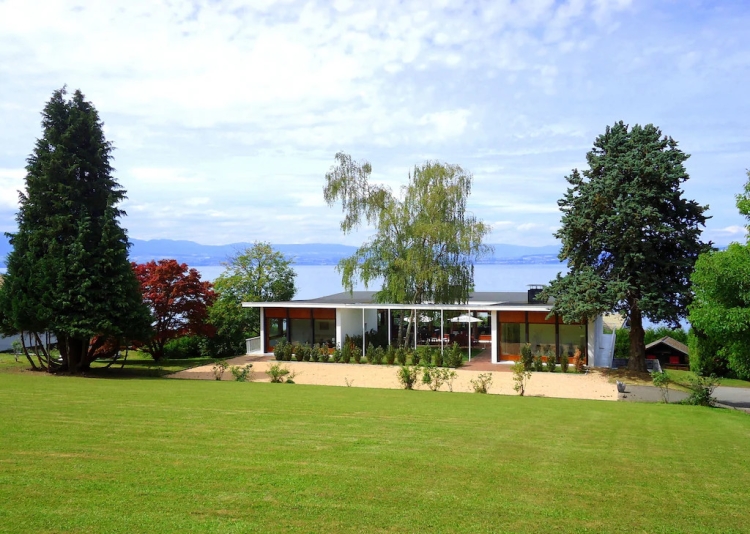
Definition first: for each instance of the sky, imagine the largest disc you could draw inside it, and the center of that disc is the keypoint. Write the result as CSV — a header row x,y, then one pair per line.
x,y
226,115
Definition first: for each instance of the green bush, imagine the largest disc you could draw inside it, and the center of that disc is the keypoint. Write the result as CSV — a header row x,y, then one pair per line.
x,y
377,356
437,358
401,355
323,355
482,383
314,354
551,361
300,351
527,357
706,357
370,354
453,356
520,376
564,363
407,375
662,380
279,350
390,355
538,363
357,355
702,390
182,348
218,369
279,374
242,374
337,354
288,351
346,352
435,377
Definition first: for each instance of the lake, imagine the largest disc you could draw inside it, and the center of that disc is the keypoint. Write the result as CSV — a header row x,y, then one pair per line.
x,y
319,280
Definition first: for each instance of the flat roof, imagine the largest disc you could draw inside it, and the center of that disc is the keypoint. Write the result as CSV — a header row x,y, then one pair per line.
x,y
479,300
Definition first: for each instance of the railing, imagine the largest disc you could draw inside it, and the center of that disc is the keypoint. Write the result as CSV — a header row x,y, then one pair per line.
x,y
253,345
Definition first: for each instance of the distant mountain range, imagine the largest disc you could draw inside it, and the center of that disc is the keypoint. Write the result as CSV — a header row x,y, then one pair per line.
x,y
196,255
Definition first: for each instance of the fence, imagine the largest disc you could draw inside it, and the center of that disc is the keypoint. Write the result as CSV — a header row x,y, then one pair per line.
x,y
253,345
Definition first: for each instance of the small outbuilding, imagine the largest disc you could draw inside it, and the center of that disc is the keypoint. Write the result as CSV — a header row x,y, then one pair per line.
x,y
671,353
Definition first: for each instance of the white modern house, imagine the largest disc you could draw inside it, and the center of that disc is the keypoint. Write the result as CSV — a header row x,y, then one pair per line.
x,y
500,321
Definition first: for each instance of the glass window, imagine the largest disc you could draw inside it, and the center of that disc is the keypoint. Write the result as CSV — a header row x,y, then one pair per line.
x,y
572,338
542,339
325,332
301,331
276,329
512,336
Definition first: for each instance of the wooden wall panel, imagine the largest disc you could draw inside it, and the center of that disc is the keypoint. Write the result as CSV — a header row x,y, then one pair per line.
x,y
540,318
299,313
324,313
511,317
275,313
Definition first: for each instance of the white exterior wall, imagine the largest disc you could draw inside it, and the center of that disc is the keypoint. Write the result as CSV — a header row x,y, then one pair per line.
x,y
349,322
495,336
595,327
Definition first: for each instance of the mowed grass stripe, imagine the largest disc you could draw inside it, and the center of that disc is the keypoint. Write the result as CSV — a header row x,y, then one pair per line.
x,y
96,455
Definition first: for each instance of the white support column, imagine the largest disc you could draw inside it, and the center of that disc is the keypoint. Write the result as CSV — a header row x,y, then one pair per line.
x,y
339,330
495,336
389,327
416,323
442,337
363,332
263,347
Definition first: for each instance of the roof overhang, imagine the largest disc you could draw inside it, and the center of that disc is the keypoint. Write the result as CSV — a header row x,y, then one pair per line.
x,y
474,306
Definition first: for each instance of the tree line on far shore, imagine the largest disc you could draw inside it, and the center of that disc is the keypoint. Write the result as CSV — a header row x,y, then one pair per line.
x,y
631,240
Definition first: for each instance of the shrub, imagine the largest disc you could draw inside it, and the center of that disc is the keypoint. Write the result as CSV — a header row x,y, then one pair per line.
x,y
551,361
377,355
538,363
346,353
407,375
564,363
401,356
520,376
279,349
422,355
435,377
314,354
279,374
482,383
357,354
702,390
579,362
453,356
371,354
337,354
662,381
218,369
437,357
323,355
182,347
390,355
527,357
242,374
288,351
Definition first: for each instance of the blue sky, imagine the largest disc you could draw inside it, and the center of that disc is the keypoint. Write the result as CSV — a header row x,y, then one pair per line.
x,y
227,115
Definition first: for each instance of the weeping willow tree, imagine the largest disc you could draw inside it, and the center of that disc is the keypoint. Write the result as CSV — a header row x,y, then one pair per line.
x,y
425,242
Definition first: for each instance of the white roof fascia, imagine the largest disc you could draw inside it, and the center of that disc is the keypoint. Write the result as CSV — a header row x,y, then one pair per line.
x,y
424,307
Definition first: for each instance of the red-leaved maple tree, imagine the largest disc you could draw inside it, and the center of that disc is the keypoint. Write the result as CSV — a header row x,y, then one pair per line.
x,y
178,299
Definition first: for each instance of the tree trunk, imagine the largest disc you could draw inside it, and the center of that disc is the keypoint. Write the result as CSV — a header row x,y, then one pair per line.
x,y
637,359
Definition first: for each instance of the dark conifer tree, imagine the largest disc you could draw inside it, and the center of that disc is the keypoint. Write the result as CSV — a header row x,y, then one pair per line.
x,y
69,272
628,235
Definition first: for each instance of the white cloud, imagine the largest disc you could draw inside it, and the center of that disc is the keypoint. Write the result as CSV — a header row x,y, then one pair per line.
x,y
226,115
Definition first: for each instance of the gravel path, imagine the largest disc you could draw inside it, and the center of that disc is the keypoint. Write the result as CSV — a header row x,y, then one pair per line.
x,y
570,386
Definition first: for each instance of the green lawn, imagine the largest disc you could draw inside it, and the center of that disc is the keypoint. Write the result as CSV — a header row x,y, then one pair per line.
x,y
93,455
138,365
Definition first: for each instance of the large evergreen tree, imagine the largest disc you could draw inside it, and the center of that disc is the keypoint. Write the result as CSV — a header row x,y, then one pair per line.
x,y
629,237
68,272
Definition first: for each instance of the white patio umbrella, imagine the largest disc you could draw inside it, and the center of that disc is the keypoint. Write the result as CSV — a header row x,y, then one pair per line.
x,y
467,319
